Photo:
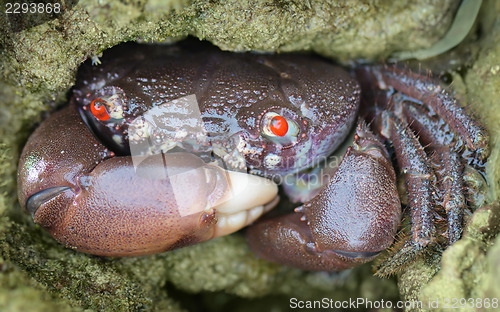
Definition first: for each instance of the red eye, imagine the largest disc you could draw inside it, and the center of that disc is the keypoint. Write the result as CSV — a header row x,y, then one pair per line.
x,y
99,110
279,126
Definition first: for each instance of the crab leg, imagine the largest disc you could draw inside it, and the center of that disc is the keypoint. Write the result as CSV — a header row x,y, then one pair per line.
x,y
420,180
450,168
352,219
103,205
440,100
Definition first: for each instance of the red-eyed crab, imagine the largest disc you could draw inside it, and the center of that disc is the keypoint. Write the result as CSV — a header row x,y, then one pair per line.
x,y
153,152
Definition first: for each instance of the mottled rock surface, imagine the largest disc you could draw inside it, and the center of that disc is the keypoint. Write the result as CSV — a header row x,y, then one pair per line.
x,y
39,57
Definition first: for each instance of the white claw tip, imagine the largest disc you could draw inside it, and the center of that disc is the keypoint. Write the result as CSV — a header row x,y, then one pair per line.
x,y
249,197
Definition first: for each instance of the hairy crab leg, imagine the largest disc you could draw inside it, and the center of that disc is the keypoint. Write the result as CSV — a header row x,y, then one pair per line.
x,y
105,206
420,180
352,219
456,129
450,168
440,100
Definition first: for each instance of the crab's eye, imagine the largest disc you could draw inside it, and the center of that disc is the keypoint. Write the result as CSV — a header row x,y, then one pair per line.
x,y
98,109
279,129
279,126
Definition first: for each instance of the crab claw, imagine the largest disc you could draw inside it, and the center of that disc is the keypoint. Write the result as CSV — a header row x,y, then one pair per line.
x,y
103,205
352,219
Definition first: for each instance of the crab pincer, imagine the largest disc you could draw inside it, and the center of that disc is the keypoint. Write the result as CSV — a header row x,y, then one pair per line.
x,y
349,222
103,205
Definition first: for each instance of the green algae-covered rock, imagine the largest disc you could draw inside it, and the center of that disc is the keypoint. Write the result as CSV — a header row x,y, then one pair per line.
x,y
39,57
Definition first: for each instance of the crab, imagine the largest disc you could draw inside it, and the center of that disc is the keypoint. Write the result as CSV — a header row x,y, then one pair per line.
x,y
164,147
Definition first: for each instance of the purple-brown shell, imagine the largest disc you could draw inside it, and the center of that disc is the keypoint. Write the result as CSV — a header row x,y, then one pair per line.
x,y
234,92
